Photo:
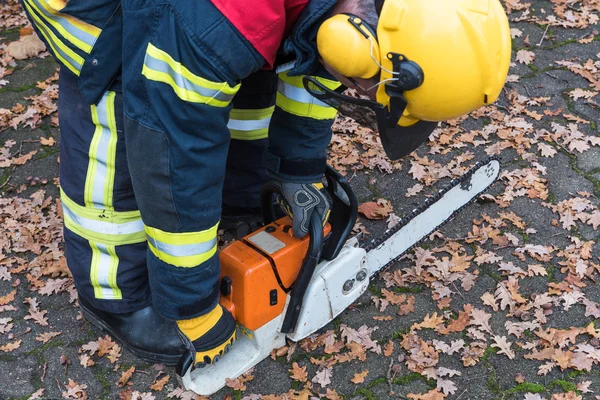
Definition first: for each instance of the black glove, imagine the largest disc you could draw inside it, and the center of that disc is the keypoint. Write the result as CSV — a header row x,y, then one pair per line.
x,y
301,200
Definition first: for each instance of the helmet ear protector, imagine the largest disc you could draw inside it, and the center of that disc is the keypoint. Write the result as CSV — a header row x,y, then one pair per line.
x,y
349,45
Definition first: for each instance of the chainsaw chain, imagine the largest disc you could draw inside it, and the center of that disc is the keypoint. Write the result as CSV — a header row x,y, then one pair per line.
x,y
428,202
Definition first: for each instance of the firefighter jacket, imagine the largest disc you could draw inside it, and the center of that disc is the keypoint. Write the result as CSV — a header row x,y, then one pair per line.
x,y
85,37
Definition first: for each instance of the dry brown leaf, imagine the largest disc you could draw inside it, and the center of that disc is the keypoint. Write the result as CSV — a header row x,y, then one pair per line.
x,y
47,336
47,141
359,377
503,345
26,47
298,373
489,300
125,377
388,349
429,322
582,94
383,318
323,377
159,384
75,390
11,346
24,158
525,57
433,394
379,209
9,298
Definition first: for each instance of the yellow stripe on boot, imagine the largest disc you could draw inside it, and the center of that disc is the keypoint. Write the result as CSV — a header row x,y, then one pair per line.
x,y
198,330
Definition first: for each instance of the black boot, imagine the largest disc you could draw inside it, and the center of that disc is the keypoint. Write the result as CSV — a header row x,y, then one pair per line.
x,y
144,332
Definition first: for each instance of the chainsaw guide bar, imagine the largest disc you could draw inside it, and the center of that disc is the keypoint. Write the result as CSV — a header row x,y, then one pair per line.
x,y
335,283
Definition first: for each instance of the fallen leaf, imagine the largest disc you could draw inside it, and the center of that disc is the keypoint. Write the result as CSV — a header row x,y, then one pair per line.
x,y
47,141
7,348
501,343
359,377
47,336
125,377
26,47
298,373
323,377
379,209
433,394
159,384
525,57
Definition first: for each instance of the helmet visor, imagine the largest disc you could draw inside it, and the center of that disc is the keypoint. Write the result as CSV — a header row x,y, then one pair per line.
x,y
397,141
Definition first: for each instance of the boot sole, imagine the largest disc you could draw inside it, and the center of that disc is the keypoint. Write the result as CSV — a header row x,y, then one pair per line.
x,y
212,356
167,359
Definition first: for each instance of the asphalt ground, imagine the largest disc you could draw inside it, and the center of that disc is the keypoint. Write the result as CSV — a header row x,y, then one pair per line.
x,y
542,85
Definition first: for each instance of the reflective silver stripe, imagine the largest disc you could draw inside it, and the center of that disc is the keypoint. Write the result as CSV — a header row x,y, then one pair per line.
x,y
85,37
103,273
183,250
101,172
183,82
248,124
298,94
104,228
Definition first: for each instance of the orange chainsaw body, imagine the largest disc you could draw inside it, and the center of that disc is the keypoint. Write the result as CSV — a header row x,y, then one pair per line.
x,y
262,267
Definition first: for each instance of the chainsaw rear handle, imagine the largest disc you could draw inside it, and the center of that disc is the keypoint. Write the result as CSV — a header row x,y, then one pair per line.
x,y
344,210
311,259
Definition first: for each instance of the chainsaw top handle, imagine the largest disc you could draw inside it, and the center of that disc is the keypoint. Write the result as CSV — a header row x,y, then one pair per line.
x,y
311,259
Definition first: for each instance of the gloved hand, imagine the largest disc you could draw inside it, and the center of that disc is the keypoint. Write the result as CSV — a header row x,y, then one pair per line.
x,y
301,200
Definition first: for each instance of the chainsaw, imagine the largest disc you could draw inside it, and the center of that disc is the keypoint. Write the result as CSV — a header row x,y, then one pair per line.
x,y
280,287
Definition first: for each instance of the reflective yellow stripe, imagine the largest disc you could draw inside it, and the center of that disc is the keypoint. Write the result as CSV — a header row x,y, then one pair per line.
x,y
304,109
182,238
111,153
66,56
297,81
250,124
161,67
103,226
188,249
100,178
81,34
103,272
293,98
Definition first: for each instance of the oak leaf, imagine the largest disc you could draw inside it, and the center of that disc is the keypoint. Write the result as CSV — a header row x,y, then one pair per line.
x,y
47,141
47,336
359,377
125,377
433,394
75,390
159,384
580,93
323,377
11,346
379,209
26,47
503,345
298,373
9,298
446,386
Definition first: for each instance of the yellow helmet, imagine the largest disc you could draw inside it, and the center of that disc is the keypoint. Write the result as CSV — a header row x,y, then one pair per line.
x,y
434,60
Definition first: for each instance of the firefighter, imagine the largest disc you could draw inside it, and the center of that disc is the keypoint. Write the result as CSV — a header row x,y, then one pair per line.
x,y
150,276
